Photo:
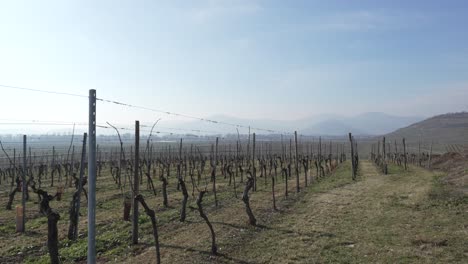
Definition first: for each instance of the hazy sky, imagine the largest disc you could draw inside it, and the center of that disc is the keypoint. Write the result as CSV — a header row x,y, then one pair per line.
x,y
250,59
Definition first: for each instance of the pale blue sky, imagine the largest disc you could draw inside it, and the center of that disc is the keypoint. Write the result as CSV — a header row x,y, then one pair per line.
x,y
250,59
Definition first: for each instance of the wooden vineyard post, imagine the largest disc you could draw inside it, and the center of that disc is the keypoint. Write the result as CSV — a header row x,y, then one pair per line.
x,y
352,157
213,175
419,155
19,219
288,175
136,183
254,171
248,148
71,165
14,166
284,170
53,167
24,190
273,189
430,157
298,189
384,161
378,152
321,174
404,153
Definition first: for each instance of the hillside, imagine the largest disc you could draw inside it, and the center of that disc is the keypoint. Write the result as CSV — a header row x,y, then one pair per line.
x,y
446,129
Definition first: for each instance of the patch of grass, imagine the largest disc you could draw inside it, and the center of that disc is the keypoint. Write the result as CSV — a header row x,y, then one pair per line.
x,y
6,229
76,251
442,194
45,259
36,223
394,169
397,200
111,241
340,177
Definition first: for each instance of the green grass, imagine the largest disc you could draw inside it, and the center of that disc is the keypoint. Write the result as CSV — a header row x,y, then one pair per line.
x,y
7,229
394,169
340,177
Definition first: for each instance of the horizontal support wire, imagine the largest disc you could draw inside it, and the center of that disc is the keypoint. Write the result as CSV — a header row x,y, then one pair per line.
x,y
147,109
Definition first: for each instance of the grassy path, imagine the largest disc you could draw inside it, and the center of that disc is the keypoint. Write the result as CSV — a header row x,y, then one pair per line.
x,y
380,219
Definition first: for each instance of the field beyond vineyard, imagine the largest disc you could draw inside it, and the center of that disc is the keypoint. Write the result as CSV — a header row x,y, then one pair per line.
x,y
405,216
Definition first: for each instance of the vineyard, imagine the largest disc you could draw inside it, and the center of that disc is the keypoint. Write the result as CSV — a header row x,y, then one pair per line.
x,y
179,179
243,198
234,132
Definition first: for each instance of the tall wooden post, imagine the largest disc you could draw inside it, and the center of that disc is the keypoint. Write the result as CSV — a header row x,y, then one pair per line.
x,y
53,167
248,147
378,149
383,150
136,183
404,151
290,159
71,163
384,165
396,150
352,157
296,162
25,186
429,164
214,171
254,171
419,154
320,156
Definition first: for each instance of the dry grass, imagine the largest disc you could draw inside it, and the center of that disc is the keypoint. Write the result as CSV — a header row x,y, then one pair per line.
x,y
381,219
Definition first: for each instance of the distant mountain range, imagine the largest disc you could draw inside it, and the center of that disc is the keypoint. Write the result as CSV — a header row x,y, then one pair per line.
x,y
372,123
366,124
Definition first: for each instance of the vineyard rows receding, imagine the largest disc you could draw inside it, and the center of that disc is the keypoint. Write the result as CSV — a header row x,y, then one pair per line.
x,y
43,188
